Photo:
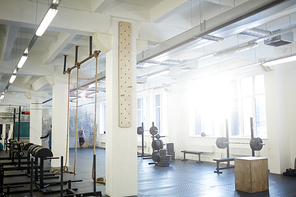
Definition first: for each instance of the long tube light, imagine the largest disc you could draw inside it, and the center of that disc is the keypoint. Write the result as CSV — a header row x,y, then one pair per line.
x,y
158,74
22,61
2,96
281,60
12,78
49,16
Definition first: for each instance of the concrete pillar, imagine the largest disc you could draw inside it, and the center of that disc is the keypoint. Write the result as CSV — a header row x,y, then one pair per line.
x,y
280,116
36,118
121,143
59,120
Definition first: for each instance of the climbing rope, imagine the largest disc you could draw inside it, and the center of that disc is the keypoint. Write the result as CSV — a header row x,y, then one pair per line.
x,y
65,169
95,119
100,179
78,67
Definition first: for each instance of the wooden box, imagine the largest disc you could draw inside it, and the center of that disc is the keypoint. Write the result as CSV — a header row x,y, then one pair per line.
x,y
251,174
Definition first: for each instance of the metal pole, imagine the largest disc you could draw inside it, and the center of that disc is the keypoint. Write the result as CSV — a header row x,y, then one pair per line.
x,y
143,140
65,62
252,134
31,178
227,137
1,178
95,189
76,54
19,124
90,45
62,177
13,133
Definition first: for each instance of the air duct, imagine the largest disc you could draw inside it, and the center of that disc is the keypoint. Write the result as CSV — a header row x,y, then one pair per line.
x,y
255,32
280,40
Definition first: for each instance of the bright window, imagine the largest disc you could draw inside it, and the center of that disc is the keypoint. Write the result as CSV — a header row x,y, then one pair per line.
x,y
248,101
160,113
142,112
209,106
102,117
214,100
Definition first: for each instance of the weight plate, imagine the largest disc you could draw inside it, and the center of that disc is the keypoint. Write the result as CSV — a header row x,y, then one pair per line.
x,y
256,143
157,144
153,130
221,142
140,130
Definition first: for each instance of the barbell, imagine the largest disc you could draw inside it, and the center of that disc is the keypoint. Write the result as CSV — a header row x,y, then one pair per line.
x,y
255,143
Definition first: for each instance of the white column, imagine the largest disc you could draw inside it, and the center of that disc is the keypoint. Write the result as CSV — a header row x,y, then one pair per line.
x,y
121,143
36,118
59,120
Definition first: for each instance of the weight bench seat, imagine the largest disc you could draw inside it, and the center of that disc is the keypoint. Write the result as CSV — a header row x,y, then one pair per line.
x,y
192,152
218,160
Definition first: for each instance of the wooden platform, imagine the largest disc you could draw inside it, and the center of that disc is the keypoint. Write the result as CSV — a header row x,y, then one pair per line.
x,y
251,174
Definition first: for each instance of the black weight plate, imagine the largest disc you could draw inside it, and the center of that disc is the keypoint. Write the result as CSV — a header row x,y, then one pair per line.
x,y
221,142
153,130
140,130
256,143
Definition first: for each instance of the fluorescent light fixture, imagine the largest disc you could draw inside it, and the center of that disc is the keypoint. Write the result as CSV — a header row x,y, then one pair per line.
x,y
15,71
22,61
12,78
2,96
26,51
158,74
236,49
49,16
55,1
281,60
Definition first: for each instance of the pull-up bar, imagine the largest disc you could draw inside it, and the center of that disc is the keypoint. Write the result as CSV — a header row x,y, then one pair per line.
x,y
78,64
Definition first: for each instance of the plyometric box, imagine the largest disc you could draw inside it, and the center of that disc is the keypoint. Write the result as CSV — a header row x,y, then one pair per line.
x,y
251,174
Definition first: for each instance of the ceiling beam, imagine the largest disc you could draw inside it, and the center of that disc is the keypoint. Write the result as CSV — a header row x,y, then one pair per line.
x,y
167,8
67,20
9,41
100,6
228,3
56,47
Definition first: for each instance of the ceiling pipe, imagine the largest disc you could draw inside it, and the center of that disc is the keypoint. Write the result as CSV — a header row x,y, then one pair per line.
x,y
255,32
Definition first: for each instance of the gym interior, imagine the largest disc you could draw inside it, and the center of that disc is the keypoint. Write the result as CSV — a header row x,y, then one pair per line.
x,y
147,98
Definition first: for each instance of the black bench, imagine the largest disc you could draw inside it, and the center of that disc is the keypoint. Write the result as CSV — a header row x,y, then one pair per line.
x,y
218,160
192,152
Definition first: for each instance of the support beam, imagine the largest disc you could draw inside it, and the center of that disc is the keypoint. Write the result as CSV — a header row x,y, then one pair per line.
x,y
166,9
228,3
65,20
100,6
42,83
27,79
57,47
9,41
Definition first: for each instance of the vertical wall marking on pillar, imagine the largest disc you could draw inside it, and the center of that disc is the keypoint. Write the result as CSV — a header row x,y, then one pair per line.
x,y
124,73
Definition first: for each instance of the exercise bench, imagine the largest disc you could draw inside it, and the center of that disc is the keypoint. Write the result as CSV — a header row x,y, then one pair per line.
x,y
192,152
218,160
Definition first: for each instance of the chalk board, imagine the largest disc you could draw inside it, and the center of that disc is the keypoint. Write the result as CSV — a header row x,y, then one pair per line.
x,y
24,131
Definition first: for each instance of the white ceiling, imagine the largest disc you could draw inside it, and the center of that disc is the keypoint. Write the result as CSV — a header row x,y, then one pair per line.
x,y
161,20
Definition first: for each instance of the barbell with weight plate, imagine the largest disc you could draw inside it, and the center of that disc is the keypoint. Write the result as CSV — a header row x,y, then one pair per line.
x,y
140,130
255,143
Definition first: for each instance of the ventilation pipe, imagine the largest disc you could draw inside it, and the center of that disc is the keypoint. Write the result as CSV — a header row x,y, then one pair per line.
x,y
255,32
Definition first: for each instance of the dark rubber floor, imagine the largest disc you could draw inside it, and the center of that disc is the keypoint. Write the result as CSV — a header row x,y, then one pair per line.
x,y
179,179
